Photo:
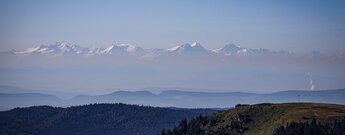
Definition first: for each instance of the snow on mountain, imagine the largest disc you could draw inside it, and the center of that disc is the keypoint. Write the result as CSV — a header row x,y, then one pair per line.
x,y
262,51
120,48
232,49
188,48
59,48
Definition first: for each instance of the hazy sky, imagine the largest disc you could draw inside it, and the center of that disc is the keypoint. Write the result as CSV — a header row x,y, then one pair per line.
x,y
293,25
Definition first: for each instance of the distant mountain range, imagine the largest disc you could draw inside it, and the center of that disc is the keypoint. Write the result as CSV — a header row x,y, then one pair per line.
x,y
185,99
172,98
66,48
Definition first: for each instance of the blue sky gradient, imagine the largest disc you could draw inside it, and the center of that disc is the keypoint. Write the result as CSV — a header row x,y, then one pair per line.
x,y
294,25
300,26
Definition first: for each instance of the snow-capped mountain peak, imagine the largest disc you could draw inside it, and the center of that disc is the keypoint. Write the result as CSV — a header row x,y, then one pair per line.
x,y
119,48
230,49
61,48
188,48
195,44
58,48
130,48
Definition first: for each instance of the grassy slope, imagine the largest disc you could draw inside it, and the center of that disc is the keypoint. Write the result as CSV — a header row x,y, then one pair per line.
x,y
265,118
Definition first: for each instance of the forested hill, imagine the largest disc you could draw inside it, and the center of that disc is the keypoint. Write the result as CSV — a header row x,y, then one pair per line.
x,y
268,119
118,119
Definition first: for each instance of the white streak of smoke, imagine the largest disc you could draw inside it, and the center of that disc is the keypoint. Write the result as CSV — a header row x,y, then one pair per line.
x,y
311,83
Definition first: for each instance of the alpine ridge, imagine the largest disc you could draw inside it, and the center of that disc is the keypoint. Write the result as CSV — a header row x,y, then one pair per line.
x,y
66,48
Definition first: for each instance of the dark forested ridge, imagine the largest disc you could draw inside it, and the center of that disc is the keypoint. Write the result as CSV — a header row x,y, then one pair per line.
x,y
312,128
267,119
94,119
122,119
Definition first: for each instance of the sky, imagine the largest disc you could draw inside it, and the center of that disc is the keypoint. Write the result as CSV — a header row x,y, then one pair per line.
x,y
299,26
